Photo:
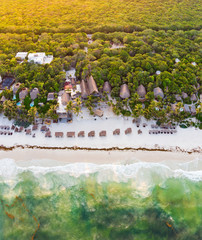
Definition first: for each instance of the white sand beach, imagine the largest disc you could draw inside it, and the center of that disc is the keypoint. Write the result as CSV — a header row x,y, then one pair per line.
x,y
184,140
49,158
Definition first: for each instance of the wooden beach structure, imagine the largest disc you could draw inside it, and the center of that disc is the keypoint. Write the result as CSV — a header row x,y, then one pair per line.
x,y
91,134
70,134
103,133
128,131
59,134
81,134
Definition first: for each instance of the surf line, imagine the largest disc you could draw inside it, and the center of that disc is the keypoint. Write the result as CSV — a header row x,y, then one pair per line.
x,y
18,199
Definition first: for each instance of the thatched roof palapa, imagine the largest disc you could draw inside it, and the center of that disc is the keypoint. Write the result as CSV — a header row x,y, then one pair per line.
x,y
92,85
81,134
158,92
116,131
124,92
84,89
16,87
91,134
23,93
34,93
70,134
193,98
103,133
141,91
59,134
184,95
107,87
128,131
65,98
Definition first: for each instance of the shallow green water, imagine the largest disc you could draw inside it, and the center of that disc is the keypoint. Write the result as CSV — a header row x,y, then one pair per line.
x,y
86,201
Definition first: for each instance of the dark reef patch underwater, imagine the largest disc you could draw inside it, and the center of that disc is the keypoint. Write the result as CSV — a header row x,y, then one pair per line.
x,y
87,201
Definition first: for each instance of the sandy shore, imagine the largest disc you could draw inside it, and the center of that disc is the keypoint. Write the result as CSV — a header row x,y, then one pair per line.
x,y
47,157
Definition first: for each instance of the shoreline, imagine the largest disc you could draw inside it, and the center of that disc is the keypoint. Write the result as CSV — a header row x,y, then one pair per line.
x,y
47,157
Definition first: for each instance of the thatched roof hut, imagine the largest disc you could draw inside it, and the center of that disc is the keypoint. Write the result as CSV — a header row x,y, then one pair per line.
x,y
116,131
128,131
103,133
193,110
158,92
70,134
84,89
34,93
16,87
193,98
178,97
23,93
107,87
92,85
50,96
81,134
186,108
65,98
98,112
184,95
124,92
91,134
141,91
59,134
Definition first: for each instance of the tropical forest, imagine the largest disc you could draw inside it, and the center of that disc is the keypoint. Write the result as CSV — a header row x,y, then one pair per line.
x,y
154,43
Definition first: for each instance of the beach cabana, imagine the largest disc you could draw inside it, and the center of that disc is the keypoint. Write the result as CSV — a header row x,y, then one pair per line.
x,y
124,91
84,89
128,131
48,134
98,112
116,131
92,87
70,134
59,134
81,134
107,87
28,132
103,133
34,93
158,92
91,134
34,127
43,128
141,91
23,93
16,87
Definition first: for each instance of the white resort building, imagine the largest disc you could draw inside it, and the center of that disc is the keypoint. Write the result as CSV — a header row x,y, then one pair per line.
x,y
40,58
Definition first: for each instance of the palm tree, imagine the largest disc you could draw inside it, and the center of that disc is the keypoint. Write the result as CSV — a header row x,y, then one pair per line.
x,y
69,107
32,114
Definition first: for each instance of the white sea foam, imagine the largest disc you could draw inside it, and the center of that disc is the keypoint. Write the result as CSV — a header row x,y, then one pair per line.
x,y
109,172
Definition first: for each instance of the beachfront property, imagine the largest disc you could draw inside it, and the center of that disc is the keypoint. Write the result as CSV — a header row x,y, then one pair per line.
x,y
40,58
21,55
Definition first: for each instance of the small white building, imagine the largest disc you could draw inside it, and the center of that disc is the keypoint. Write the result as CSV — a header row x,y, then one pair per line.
x,y
40,58
76,92
21,55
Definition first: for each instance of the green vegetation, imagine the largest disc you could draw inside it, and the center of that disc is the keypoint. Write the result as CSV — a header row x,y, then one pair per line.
x,y
98,15
152,35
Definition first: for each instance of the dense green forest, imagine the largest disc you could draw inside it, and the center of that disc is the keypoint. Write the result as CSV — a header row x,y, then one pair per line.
x,y
98,15
151,34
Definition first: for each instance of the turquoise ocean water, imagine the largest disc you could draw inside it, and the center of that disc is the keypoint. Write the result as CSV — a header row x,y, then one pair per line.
x,y
84,201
